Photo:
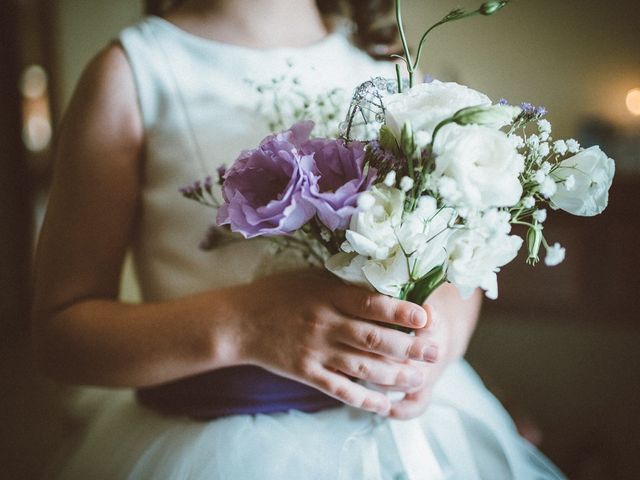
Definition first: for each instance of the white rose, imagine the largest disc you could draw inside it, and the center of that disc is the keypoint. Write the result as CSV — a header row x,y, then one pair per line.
x,y
587,193
423,235
372,231
348,267
477,252
426,105
386,276
482,162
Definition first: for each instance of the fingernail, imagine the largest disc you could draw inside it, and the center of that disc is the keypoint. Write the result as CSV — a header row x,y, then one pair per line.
x,y
430,353
418,317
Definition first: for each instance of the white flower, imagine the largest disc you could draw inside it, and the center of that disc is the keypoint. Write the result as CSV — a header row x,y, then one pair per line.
x,y
573,146
570,182
540,215
517,141
348,267
544,126
543,149
477,252
483,164
426,105
390,179
366,201
423,237
560,147
528,202
406,184
386,276
555,255
544,136
533,140
389,275
540,176
588,193
548,187
372,232
546,167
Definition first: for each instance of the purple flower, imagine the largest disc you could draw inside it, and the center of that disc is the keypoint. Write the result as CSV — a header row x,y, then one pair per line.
x,y
336,178
541,111
528,108
263,188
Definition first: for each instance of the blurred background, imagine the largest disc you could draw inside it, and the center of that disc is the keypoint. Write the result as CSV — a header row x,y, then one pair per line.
x,y
560,347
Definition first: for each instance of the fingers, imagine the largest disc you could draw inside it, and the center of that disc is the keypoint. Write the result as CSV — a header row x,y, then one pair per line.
x,y
412,405
387,342
375,369
360,303
340,387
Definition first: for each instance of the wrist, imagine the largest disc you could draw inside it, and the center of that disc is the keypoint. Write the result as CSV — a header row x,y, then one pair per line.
x,y
230,332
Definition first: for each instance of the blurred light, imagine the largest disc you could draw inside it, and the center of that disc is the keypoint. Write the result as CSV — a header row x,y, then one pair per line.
x,y
36,133
633,101
34,82
36,117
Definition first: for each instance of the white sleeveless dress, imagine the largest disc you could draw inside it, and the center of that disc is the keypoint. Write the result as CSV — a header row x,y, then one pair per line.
x,y
198,113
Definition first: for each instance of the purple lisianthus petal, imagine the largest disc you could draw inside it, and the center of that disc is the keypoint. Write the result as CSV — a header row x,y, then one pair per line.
x,y
336,178
262,189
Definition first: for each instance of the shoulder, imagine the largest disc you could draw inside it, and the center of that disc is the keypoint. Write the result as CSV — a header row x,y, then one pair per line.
x,y
105,98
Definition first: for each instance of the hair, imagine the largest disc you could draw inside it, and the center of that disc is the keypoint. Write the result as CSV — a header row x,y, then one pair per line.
x,y
375,32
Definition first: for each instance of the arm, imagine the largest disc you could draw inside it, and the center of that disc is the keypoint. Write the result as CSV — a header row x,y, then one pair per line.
x,y
307,326
81,333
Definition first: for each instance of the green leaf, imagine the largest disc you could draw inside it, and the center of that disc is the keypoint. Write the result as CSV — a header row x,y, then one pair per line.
x,y
388,140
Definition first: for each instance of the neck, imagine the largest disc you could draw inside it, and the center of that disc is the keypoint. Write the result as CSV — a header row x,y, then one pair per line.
x,y
252,23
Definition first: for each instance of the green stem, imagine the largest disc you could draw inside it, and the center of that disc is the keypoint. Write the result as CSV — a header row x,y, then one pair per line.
x,y
403,40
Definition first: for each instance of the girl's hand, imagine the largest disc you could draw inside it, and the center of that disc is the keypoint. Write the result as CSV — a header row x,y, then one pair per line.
x,y
311,327
451,323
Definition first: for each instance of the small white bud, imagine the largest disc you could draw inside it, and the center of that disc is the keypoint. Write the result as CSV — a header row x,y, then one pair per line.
x,y
528,202
544,126
390,179
570,182
560,147
406,184
548,187
555,255
540,177
543,149
517,141
573,145
540,215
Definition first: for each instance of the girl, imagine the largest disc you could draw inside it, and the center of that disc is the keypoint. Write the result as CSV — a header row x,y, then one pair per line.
x,y
237,374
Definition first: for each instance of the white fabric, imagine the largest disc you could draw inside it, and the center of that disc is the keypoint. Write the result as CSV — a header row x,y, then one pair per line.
x,y
199,113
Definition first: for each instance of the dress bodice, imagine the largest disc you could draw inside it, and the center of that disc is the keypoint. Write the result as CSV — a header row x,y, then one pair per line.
x,y
201,107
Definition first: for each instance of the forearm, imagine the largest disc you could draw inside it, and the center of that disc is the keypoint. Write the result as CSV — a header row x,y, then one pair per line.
x,y
461,316
108,343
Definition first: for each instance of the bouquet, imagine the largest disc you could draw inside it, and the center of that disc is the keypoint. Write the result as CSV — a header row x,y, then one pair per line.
x,y
421,185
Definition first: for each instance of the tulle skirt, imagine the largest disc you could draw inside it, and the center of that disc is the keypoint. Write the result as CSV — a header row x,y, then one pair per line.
x,y
469,435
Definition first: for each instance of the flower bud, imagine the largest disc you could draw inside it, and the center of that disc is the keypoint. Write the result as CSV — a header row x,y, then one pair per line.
x,y
494,116
489,8
407,142
534,240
